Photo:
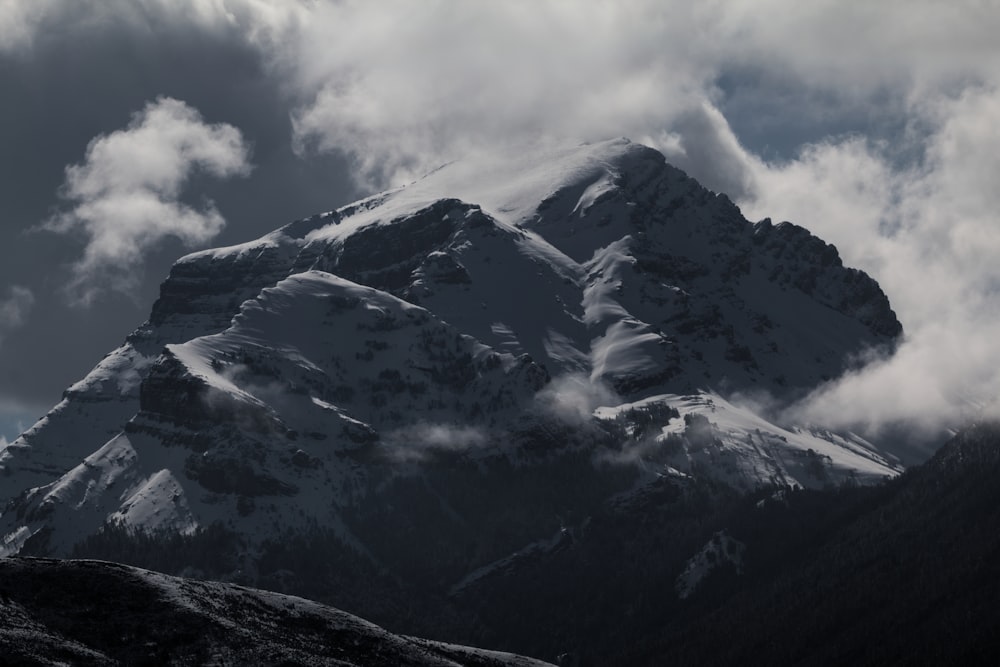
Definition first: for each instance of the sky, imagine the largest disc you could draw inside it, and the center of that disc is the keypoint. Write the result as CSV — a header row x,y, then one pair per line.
x,y
135,131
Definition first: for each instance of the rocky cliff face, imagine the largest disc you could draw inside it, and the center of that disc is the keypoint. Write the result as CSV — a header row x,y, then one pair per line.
x,y
475,356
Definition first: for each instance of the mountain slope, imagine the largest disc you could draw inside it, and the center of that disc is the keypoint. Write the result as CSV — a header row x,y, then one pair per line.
x,y
906,574
903,572
98,613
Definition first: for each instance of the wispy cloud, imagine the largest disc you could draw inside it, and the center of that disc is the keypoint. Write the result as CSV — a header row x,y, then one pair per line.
x,y
19,22
15,308
573,397
422,440
125,196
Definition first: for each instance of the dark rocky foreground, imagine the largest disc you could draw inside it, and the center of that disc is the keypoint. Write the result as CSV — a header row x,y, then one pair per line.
x,y
98,613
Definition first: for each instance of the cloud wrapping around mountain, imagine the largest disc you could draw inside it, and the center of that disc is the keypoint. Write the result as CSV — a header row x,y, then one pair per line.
x,y
928,231
897,102
572,398
125,195
419,442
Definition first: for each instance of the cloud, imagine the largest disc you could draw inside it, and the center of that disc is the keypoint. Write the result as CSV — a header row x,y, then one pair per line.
x,y
702,142
259,22
573,397
402,88
421,440
20,21
14,309
926,227
125,195
859,49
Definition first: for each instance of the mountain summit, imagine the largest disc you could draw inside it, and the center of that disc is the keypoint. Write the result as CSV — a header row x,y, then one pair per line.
x,y
438,375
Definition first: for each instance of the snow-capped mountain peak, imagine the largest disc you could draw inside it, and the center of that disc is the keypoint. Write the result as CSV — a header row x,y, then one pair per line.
x,y
495,324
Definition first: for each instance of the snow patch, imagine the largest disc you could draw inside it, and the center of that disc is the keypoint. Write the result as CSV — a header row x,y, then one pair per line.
x,y
157,504
704,434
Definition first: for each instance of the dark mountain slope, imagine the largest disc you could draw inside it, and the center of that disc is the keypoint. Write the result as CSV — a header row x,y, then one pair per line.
x,y
913,578
98,613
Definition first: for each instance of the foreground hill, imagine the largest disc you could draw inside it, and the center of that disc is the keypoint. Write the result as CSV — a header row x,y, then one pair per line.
x,y
99,613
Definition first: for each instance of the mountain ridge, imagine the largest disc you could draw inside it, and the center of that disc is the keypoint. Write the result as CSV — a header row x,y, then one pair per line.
x,y
100,613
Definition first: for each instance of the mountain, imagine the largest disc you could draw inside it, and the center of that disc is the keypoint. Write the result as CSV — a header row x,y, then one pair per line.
x,y
98,613
387,404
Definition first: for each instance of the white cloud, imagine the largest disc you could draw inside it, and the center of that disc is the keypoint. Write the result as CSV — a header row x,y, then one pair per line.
x,y
20,20
125,195
927,229
701,142
14,309
421,440
860,48
573,397
402,88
